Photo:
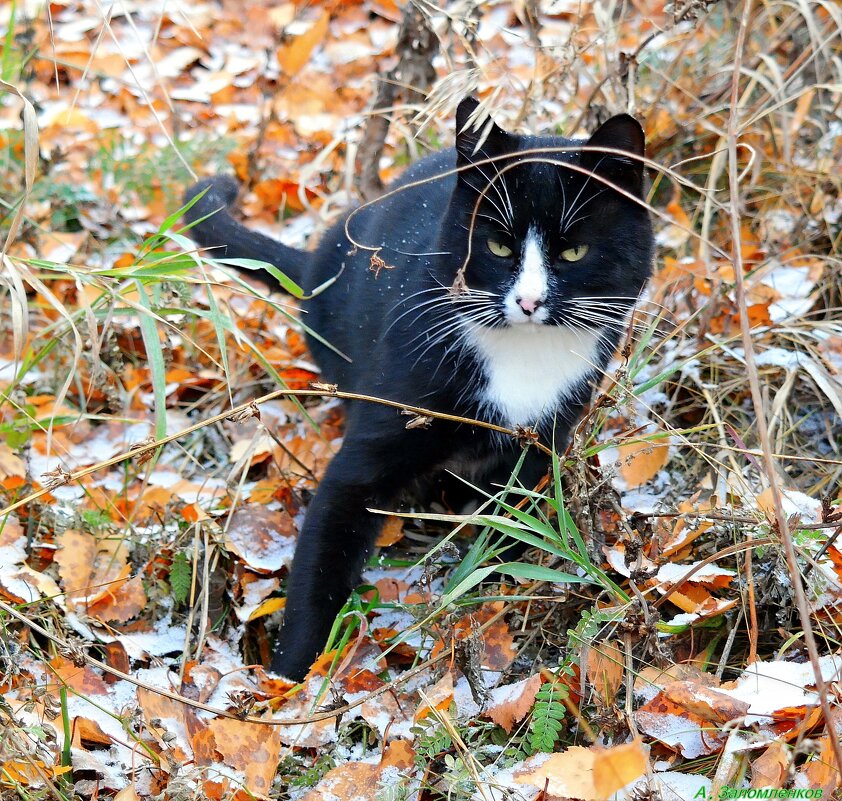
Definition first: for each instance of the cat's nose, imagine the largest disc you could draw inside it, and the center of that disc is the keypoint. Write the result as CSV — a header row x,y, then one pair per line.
x,y
529,305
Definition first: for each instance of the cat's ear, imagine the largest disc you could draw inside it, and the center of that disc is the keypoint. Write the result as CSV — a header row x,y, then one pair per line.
x,y
622,132
470,132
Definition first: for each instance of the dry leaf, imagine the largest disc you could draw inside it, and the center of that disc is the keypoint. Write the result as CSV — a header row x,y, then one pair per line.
x,y
605,670
589,774
511,703
438,697
360,781
771,767
707,702
75,560
615,767
82,680
640,461
391,532
293,56
251,748
263,538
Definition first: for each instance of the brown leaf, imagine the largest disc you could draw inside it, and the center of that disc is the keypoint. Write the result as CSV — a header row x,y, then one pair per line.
x,y
293,56
511,703
605,670
75,559
677,728
391,532
88,734
251,748
615,767
641,461
771,767
706,702
263,538
362,780
122,603
82,680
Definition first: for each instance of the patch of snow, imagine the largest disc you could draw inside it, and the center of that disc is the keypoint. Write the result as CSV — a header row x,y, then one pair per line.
x,y
682,619
674,786
673,730
165,638
463,698
769,686
672,573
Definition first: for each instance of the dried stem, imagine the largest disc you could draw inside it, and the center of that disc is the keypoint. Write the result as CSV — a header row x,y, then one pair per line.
x,y
757,394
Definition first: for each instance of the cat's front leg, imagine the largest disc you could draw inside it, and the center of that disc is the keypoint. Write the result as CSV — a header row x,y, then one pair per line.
x,y
337,538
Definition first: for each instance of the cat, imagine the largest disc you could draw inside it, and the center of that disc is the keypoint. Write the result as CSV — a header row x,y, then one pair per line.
x,y
557,259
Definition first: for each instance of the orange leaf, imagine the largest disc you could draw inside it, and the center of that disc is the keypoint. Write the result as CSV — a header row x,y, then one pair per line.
x,y
193,513
641,461
293,56
398,754
268,607
615,767
251,748
707,702
121,605
438,697
605,670
391,532
511,703
83,680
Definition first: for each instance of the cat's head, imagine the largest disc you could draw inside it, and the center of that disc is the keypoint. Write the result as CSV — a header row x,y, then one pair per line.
x,y
550,245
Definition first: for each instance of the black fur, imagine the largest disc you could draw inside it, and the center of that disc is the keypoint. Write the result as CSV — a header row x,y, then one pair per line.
x,y
396,328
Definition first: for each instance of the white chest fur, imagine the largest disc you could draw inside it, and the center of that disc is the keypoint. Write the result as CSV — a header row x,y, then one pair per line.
x,y
530,368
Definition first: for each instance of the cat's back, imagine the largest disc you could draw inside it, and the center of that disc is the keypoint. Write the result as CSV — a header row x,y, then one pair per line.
x,y
377,256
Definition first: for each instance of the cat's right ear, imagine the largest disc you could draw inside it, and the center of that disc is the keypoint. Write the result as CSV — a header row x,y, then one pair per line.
x,y
621,132
478,137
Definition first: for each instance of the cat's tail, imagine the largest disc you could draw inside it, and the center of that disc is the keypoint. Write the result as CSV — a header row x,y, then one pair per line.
x,y
229,239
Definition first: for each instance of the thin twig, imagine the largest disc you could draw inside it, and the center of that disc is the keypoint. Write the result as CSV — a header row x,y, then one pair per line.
x,y
330,713
757,395
238,410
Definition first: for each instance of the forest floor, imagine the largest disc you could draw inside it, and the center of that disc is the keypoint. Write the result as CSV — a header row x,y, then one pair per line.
x,y
155,467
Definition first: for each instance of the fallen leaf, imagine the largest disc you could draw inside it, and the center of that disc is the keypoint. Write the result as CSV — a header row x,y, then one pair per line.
x,y
510,703
614,768
391,532
251,748
605,670
707,702
641,461
82,680
589,774
438,697
294,55
263,538
360,781
771,767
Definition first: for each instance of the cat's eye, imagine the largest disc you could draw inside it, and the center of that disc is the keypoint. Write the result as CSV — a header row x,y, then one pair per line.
x,y
499,249
574,254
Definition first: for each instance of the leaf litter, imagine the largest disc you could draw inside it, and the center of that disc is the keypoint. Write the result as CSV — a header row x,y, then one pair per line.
x,y
128,103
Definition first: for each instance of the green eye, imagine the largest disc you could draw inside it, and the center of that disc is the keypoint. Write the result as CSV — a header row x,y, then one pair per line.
x,y
499,249
574,254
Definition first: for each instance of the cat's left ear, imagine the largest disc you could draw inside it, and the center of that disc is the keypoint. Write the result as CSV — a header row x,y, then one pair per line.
x,y
492,136
622,132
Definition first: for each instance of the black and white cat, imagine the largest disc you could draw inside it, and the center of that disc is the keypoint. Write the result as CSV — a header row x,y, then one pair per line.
x,y
554,261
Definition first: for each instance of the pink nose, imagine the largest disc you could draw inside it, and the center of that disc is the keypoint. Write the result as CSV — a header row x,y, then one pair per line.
x,y
529,305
